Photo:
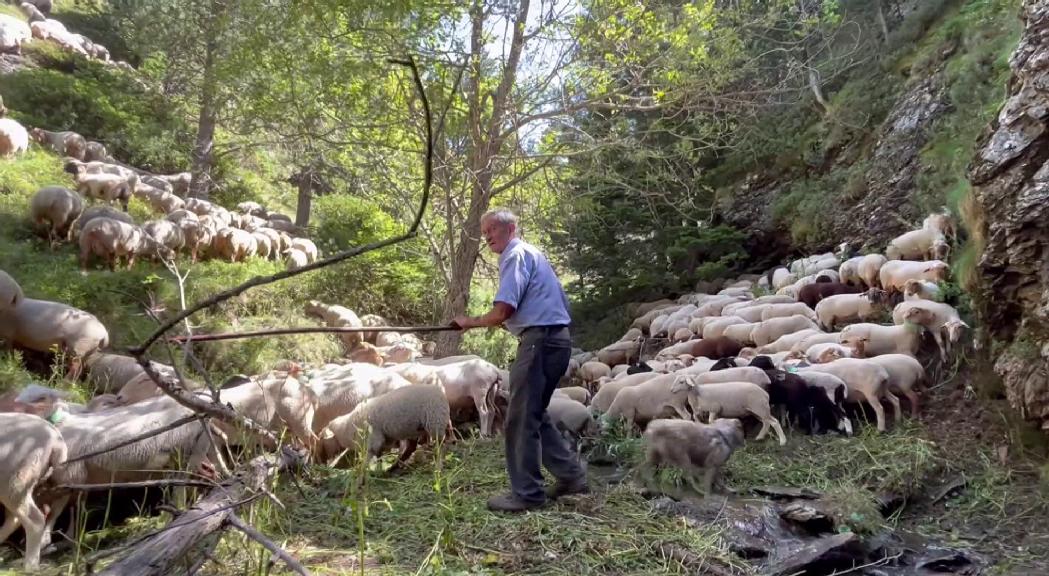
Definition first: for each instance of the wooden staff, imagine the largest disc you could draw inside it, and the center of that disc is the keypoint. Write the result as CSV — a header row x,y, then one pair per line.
x,y
307,330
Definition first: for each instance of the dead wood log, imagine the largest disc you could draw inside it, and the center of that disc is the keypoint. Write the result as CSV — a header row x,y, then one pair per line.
x,y
159,554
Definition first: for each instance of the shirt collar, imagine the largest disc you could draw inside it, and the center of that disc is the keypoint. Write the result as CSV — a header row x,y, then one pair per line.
x,y
509,246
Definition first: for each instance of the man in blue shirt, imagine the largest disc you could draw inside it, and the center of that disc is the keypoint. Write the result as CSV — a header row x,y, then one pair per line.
x,y
532,306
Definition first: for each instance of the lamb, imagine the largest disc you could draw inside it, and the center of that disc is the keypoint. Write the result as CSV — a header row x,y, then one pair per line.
x,y
13,136
295,259
407,415
40,325
13,33
56,208
792,392
842,308
895,273
649,400
787,310
113,240
866,381
813,293
196,237
905,374
105,187
66,143
591,372
921,244
693,447
730,399
30,450
921,290
941,320
306,246
770,330
341,388
870,340
607,390
577,393
10,292
166,233
572,418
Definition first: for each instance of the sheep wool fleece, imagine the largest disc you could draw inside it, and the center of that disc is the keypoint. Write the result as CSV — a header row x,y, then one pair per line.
x,y
542,357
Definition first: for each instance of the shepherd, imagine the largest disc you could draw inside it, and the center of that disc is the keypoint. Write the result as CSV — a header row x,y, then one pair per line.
x,y
532,305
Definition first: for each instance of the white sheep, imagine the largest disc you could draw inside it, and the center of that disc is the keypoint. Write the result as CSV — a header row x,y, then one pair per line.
x,y
905,374
941,320
13,136
95,151
410,414
730,399
894,274
295,259
921,244
306,246
826,352
716,328
112,240
591,372
106,372
10,292
30,449
13,33
196,237
619,352
770,330
786,310
572,418
921,290
65,143
40,325
740,333
234,244
693,447
340,389
338,317
738,374
105,187
607,390
786,342
849,271
843,308
782,277
577,393
869,270
275,400
869,340
940,222
166,233
56,208
650,400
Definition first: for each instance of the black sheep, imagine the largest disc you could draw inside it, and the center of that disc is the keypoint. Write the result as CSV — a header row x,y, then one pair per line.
x,y
724,364
638,368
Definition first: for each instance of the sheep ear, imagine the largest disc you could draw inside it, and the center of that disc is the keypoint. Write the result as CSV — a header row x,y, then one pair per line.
x,y
682,383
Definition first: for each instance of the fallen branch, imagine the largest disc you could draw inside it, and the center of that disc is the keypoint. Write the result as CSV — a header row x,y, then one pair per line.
x,y
157,554
164,483
268,544
306,330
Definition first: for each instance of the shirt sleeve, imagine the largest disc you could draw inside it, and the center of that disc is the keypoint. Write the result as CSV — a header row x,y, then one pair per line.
x,y
513,279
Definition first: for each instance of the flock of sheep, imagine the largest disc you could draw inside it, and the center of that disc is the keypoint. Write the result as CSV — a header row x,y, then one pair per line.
x,y
14,32
50,442
809,347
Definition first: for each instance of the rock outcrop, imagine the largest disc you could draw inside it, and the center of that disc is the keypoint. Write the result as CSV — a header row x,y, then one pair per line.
x,y
1009,220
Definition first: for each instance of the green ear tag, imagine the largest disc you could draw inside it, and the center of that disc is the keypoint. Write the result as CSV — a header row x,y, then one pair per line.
x,y
57,416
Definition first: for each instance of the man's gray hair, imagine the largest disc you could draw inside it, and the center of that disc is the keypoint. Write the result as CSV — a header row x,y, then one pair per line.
x,y
501,216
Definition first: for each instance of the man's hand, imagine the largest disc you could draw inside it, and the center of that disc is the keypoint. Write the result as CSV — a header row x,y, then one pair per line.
x,y
496,316
462,322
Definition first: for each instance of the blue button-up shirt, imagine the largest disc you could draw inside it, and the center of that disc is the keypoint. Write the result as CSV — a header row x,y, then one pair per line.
x,y
528,283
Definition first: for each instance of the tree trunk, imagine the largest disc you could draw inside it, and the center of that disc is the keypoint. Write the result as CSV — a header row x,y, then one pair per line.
x,y
817,90
881,20
1006,215
305,203
205,144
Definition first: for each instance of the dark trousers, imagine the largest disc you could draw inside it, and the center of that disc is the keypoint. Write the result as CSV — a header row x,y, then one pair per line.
x,y
542,358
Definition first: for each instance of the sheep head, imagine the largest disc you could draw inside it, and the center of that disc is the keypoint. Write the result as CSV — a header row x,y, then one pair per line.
x,y
955,329
918,315
684,383
936,272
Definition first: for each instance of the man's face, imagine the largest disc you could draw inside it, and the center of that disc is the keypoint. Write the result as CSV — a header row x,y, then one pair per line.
x,y
497,235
